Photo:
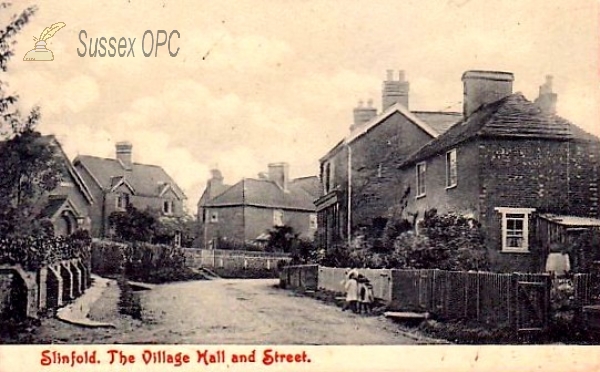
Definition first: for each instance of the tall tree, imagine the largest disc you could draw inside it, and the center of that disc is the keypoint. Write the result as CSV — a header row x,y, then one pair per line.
x,y
27,160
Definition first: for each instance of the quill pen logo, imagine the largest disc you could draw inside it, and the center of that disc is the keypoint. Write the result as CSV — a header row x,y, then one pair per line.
x,y
40,53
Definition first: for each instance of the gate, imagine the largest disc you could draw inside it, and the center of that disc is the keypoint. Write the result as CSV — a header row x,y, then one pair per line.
x,y
532,302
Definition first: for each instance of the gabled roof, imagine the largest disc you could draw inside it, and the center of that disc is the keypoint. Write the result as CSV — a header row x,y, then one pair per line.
x,y
510,117
87,194
266,193
56,204
146,180
397,107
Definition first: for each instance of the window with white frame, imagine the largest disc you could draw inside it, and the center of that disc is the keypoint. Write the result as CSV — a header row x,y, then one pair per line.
x,y
421,169
515,228
451,174
214,216
312,221
278,217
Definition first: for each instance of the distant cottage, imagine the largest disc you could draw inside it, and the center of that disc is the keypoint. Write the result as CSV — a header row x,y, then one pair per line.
x,y
244,212
116,183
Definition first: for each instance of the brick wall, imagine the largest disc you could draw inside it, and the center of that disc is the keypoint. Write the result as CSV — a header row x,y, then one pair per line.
x,y
550,176
462,198
375,159
230,224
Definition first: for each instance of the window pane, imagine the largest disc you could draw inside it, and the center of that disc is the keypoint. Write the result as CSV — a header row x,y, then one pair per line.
x,y
514,242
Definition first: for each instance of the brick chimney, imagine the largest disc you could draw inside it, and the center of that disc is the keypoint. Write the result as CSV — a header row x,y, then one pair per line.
x,y
483,87
279,173
394,91
546,101
124,154
363,114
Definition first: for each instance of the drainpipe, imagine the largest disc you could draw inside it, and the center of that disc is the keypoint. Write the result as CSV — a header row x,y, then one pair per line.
x,y
349,208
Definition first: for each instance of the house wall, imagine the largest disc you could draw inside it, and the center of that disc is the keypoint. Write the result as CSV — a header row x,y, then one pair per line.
x,y
552,176
94,211
388,144
462,198
260,220
548,175
108,203
332,231
230,224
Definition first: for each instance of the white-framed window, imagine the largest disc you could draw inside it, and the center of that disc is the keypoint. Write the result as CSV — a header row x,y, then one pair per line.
x,y
168,207
277,217
312,221
451,172
122,201
515,228
421,170
214,216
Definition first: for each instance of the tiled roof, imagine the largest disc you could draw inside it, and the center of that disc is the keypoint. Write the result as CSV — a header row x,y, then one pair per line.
x,y
266,193
53,206
440,121
513,116
146,180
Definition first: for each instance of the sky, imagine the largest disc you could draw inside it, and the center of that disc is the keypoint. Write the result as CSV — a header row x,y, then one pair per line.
x,y
256,82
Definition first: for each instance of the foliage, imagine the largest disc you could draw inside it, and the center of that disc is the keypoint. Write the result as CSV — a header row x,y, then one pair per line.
x,y
167,228
133,225
33,252
447,242
141,261
281,238
584,250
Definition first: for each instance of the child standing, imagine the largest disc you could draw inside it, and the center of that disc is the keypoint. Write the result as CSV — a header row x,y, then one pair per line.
x,y
351,288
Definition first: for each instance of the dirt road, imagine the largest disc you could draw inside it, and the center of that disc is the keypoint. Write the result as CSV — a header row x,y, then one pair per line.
x,y
227,312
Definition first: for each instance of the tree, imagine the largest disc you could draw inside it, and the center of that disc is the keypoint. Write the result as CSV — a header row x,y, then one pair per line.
x,y
281,238
133,225
29,167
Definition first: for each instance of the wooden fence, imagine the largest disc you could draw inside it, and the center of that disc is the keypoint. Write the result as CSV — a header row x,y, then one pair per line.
x,y
519,300
216,258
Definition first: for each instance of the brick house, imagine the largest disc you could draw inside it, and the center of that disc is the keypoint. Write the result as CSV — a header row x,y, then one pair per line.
x,y
66,206
359,175
509,163
243,213
116,183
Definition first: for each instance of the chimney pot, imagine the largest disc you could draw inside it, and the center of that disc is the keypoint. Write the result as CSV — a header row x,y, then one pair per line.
x,y
394,91
363,114
401,76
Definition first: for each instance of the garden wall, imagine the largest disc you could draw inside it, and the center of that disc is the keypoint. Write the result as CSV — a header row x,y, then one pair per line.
x,y
27,294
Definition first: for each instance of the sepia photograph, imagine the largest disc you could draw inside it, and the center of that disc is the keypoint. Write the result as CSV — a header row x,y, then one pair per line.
x,y
264,183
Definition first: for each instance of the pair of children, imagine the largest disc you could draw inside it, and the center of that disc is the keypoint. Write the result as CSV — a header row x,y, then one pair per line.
x,y
359,293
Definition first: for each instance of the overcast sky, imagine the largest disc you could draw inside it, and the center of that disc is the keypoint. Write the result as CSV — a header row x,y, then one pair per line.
x,y
267,81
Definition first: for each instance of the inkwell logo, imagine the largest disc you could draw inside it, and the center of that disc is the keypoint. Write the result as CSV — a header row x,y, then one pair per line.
x,y
40,53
